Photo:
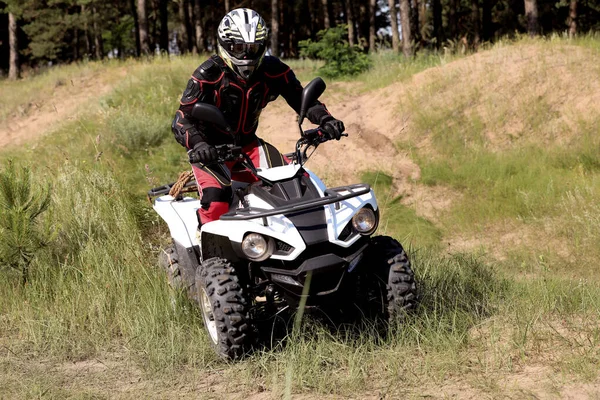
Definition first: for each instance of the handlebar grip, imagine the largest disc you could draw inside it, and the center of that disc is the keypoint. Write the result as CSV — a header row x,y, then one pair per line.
x,y
311,133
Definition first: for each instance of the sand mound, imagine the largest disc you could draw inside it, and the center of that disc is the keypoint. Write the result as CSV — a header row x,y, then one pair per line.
x,y
518,94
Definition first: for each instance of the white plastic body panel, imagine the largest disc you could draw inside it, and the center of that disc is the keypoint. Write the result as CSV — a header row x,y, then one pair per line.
x,y
182,220
337,219
279,173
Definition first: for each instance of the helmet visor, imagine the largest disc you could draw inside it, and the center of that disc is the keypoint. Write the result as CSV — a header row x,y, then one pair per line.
x,y
245,51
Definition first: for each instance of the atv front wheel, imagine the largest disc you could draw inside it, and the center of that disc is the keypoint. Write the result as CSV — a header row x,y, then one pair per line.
x,y
224,308
390,280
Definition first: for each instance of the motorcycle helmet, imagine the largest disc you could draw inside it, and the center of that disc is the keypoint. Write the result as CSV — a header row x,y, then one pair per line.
x,y
242,36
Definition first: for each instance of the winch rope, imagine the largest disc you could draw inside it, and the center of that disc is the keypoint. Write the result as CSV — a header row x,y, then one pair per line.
x,y
179,186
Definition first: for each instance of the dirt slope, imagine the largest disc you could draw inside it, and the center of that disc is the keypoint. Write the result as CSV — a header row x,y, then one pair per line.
x,y
67,99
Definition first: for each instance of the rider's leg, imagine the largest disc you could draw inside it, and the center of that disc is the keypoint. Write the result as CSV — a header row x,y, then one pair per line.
x,y
214,185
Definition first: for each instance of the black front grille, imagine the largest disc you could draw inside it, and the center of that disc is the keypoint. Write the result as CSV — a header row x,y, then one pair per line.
x,y
346,232
284,247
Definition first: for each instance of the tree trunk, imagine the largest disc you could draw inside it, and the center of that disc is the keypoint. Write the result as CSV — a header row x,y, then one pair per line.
x,y
163,9
86,31
76,44
475,21
372,29
143,27
363,24
227,9
283,30
97,35
152,12
414,20
313,16
292,43
191,27
326,16
136,26
436,7
453,18
406,31
573,18
394,22
423,19
486,19
350,22
13,67
199,32
275,28
531,14
183,38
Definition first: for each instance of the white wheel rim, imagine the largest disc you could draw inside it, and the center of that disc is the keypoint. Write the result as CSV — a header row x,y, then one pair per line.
x,y
208,316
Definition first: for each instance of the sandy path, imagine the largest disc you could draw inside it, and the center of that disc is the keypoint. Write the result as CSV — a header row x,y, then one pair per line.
x,y
67,102
372,127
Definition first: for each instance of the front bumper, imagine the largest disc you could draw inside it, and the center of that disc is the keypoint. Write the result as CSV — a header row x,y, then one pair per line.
x,y
325,269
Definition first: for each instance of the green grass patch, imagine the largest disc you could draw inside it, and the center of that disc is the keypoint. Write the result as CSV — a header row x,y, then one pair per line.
x,y
398,220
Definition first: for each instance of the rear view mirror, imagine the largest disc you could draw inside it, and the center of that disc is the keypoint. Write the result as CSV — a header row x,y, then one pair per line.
x,y
209,113
310,94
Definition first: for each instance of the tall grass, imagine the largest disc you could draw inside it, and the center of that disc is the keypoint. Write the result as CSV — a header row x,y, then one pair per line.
x,y
95,290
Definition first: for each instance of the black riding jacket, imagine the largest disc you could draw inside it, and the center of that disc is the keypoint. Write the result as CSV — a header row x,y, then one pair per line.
x,y
241,102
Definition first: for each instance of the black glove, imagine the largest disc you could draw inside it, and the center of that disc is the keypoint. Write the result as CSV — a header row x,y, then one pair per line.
x,y
333,128
203,153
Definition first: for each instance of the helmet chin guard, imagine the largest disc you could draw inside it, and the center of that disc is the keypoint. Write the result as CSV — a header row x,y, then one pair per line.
x,y
242,36
243,68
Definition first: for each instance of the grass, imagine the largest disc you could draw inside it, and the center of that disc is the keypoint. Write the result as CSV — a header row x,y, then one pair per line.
x,y
96,295
397,219
514,151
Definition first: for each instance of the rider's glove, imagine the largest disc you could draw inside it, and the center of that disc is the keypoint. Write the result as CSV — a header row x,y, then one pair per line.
x,y
333,128
203,153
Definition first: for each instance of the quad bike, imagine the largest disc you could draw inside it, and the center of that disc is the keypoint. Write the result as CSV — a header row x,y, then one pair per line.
x,y
285,239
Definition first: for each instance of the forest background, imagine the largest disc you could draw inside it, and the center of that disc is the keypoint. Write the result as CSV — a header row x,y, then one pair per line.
x,y
38,33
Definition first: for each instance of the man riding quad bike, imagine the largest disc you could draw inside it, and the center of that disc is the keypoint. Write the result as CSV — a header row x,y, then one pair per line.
x,y
284,237
240,81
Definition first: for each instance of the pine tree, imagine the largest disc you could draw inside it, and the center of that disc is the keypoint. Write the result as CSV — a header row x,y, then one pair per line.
x,y
21,204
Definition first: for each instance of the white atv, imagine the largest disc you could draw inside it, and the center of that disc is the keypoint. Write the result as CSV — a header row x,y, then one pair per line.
x,y
286,237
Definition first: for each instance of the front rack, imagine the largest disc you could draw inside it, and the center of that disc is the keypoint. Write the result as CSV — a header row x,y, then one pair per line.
x,y
332,196
165,189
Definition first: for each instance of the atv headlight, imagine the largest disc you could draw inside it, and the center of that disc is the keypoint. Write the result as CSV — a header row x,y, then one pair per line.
x,y
257,247
365,221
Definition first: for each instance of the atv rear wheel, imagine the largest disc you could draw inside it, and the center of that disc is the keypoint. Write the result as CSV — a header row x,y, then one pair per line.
x,y
390,281
168,261
224,308
181,273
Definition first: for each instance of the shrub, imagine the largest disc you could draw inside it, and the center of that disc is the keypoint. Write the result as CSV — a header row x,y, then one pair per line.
x,y
134,130
340,57
21,203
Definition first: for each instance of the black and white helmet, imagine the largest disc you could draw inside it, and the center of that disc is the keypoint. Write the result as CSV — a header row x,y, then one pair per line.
x,y
242,37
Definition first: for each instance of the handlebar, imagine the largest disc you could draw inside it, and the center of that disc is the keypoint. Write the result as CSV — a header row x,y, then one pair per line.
x,y
228,152
310,138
